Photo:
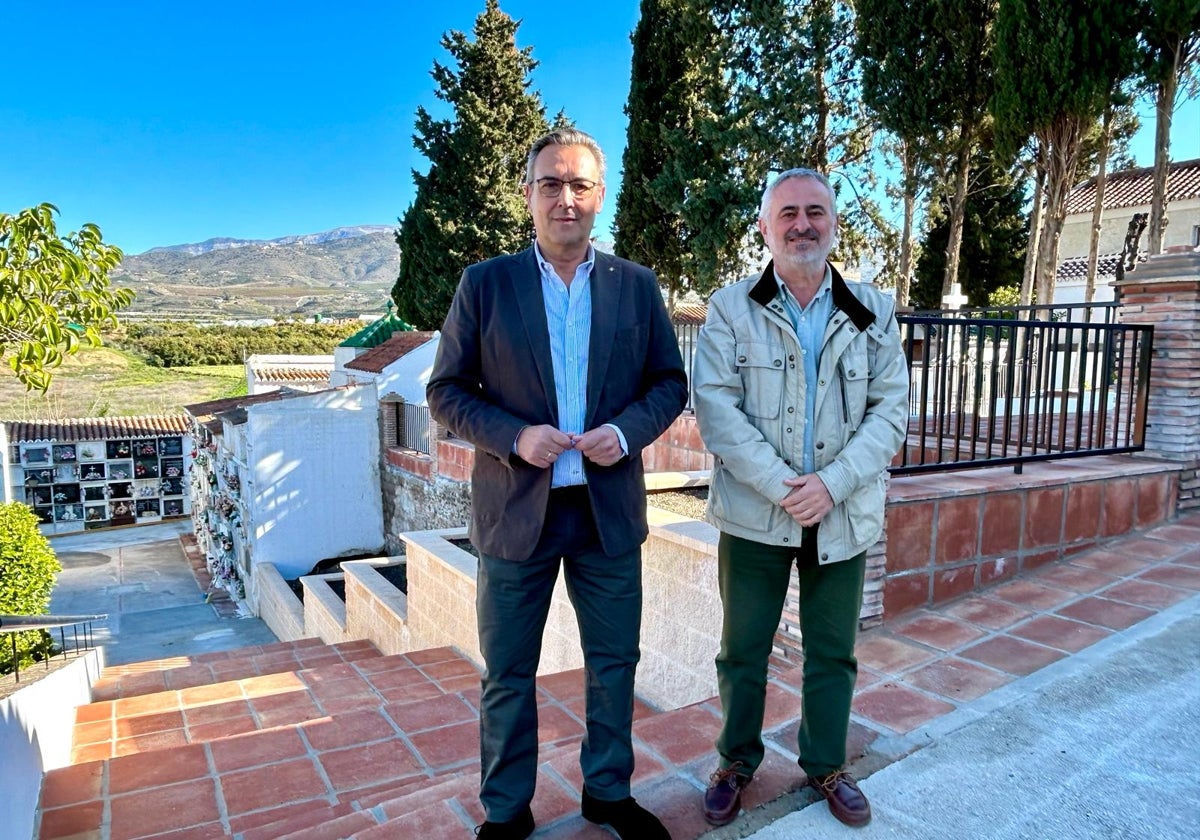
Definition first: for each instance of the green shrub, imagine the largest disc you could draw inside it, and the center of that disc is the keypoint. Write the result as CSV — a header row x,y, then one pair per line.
x,y
27,572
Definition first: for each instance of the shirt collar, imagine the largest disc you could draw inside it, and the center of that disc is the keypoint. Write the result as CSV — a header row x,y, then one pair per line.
x,y
825,288
548,270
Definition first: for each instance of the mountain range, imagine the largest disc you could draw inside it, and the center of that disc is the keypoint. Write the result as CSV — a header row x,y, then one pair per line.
x,y
337,273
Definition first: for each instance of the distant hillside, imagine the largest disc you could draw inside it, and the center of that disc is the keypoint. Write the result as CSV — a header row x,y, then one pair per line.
x,y
338,273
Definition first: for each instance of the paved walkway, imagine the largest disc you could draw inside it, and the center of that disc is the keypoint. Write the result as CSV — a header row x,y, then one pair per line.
x,y
140,578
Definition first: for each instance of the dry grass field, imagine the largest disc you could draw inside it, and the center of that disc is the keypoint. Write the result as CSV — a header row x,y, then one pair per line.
x,y
107,382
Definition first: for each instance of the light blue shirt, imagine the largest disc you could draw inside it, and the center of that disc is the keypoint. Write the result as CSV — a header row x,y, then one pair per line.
x,y
569,320
809,322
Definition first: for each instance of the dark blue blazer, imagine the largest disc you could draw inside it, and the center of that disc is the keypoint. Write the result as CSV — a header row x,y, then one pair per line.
x,y
492,376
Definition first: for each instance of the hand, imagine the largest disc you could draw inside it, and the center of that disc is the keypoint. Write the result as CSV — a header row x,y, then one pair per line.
x,y
600,446
541,445
809,500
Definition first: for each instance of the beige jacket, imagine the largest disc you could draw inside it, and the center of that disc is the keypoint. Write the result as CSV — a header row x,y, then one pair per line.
x,y
749,394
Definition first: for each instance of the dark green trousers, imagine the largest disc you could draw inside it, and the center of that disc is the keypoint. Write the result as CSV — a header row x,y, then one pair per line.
x,y
754,580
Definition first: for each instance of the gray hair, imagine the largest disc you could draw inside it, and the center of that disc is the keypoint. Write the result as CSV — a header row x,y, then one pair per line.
x,y
789,174
564,137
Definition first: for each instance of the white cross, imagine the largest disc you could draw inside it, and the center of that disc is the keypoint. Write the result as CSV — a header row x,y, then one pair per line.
x,y
956,299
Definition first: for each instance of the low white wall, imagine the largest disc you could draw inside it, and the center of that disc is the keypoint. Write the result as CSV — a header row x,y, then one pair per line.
x,y
376,610
324,611
36,726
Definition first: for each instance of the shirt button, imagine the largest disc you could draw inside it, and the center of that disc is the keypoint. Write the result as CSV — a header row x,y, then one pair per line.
x,y
821,383
778,362
741,359
789,431
821,445
791,410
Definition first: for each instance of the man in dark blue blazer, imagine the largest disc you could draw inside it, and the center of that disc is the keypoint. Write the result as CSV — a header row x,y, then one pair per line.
x,y
560,365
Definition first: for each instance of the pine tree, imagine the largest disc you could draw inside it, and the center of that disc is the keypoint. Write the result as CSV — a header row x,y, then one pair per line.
x,y
469,205
1057,65
664,101
993,236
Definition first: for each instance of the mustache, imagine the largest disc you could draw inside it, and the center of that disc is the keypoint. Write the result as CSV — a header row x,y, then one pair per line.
x,y
797,236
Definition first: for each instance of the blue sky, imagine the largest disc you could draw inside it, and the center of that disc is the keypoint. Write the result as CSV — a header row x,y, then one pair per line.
x,y
167,123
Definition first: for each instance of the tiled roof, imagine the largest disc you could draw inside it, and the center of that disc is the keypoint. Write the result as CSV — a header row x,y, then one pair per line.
x,y
296,374
99,428
1132,188
1074,269
206,410
377,332
690,313
399,345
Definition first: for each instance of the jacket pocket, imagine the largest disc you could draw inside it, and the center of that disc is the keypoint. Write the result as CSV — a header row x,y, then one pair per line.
x,y
735,503
855,378
864,509
761,368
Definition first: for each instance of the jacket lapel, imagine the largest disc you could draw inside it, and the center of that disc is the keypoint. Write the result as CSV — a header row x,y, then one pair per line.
x,y
607,279
527,286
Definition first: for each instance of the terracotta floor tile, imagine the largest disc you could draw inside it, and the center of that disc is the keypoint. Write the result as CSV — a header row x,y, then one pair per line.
x,y
1011,655
168,740
348,729
1062,633
1029,594
681,735
417,792
449,745
773,778
266,824
1145,594
936,631
208,831
1075,578
792,675
91,752
675,802
1145,547
285,709
551,800
454,685
271,684
422,690
346,825
1106,613
330,674
275,784
782,705
1190,557
147,704
987,612
555,725
97,732
442,671
162,809
898,707
145,770
399,678
189,677
204,695
888,655
379,664
1110,561
370,764
436,820
71,784
256,748
429,714
1169,574
143,684
957,679
431,655
565,685
71,821
213,712
93,712
147,724
206,732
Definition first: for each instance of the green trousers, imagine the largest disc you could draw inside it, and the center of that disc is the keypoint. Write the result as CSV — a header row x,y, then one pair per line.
x,y
754,580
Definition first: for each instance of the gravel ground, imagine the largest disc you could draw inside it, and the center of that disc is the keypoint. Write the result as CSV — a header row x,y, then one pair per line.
x,y
687,502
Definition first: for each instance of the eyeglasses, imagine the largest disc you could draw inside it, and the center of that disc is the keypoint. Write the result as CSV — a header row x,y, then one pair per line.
x,y
553,187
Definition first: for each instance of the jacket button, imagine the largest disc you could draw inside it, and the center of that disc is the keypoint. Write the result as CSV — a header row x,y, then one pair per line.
x,y
790,409
824,556
789,431
778,362
821,445
785,539
741,359
821,383
791,358
854,373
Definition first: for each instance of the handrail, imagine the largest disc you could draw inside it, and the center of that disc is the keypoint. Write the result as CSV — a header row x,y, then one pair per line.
x,y
13,624
21,623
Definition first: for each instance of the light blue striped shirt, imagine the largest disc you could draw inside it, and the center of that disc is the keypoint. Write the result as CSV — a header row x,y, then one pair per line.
x,y
809,322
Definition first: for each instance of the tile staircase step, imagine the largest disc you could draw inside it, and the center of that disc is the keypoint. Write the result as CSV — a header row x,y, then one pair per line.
x,y
122,681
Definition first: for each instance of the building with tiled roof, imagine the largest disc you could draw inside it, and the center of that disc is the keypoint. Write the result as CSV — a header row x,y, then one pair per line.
x,y
300,373
398,345
1125,194
97,472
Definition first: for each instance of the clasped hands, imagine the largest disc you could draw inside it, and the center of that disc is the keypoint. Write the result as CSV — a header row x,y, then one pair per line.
x,y
808,501
541,445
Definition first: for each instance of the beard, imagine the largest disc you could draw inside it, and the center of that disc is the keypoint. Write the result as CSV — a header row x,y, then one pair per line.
x,y
807,259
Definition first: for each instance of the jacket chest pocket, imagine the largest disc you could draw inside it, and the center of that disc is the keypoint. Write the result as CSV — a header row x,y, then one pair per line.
x,y
761,368
854,373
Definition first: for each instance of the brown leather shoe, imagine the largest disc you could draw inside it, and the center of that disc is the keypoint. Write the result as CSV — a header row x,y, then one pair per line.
x,y
846,801
723,798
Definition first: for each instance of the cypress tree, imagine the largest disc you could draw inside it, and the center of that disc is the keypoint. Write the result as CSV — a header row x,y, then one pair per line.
x,y
469,205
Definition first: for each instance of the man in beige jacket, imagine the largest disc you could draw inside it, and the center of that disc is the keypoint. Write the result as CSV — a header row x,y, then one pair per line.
x,y
801,393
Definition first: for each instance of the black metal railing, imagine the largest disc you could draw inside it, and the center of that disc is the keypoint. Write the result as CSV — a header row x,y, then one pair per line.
x,y
79,624
412,427
686,335
995,391
1103,312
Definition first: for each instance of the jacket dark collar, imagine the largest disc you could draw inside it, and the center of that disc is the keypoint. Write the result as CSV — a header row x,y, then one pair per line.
x,y
767,288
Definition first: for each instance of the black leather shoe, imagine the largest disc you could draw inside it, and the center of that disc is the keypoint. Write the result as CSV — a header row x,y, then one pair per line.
x,y
518,828
723,798
846,801
630,820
